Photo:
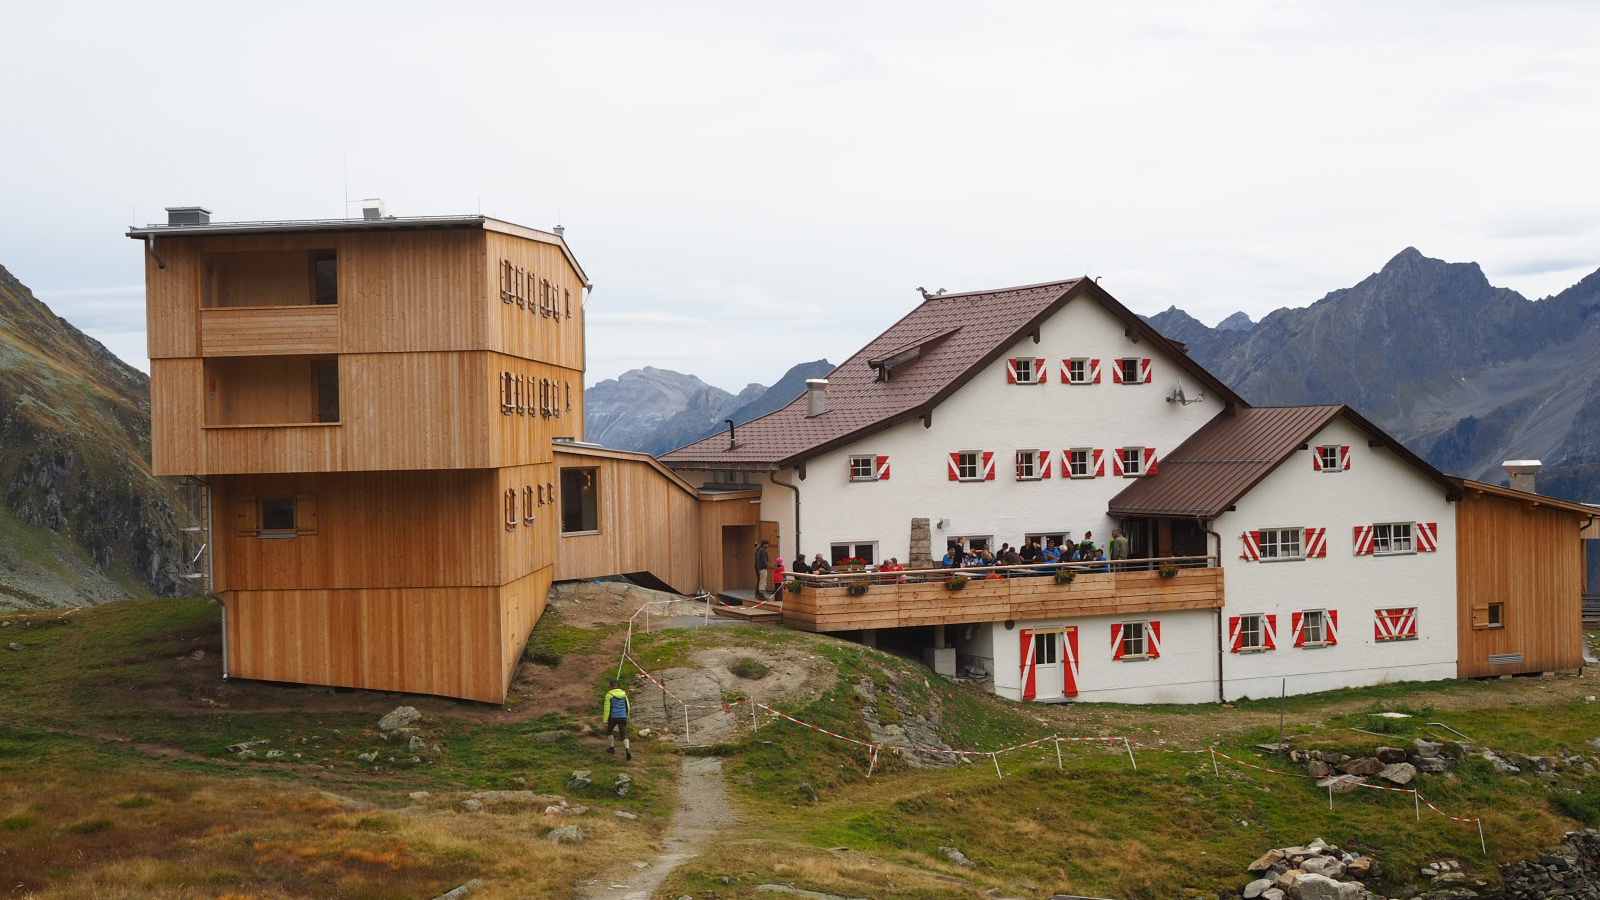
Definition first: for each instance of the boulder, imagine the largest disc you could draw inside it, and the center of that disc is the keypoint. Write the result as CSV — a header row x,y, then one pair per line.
x,y
1433,765
1341,784
1501,766
1363,765
1286,879
368,757
1323,865
470,805
1320,887
1426,749
1265,861
624,814
398,718
1359,867
580,779
518,798
566,834
1272,893
1391,754
1256,888
417,745
1316,768
1398,773
956,856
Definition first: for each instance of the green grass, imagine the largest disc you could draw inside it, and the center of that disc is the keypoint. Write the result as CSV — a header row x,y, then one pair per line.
x,y
552,640
750,669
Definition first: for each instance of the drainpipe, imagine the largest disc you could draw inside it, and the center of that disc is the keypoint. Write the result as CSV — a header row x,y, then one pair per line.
x,y
1222,696
774,478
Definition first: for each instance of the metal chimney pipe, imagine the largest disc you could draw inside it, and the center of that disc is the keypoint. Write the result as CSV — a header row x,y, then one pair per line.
x,y
816,396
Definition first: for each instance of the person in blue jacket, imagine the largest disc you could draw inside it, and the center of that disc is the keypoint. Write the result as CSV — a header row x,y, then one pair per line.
x,y
614,709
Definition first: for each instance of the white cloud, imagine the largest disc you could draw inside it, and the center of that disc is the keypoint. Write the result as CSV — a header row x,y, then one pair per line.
x,y
749,190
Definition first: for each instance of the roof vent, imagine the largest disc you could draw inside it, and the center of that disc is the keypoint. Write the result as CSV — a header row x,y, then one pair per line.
x,y
1523,473
816,396
372,208
188,215
560,230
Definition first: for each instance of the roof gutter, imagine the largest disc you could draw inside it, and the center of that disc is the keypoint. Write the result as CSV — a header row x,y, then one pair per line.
x,y
1222,695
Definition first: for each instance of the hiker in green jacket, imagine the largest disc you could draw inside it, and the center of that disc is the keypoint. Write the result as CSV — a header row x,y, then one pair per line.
x,y
614,709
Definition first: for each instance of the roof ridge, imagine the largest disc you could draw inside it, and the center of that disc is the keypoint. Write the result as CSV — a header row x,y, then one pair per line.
x,y
1002,290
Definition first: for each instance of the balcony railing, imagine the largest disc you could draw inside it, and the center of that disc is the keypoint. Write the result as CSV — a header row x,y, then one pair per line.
x,y
269,330
848,601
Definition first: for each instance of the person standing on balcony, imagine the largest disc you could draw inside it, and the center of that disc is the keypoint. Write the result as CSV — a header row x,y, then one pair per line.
x,y
763,571
1119,545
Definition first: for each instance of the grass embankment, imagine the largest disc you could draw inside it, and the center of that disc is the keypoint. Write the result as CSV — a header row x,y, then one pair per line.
x,y
115,779
1172,828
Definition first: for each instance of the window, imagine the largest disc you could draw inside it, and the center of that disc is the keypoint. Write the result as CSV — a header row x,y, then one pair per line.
x,y
324,277
1281,543
580,495
511,508
1497,615
866,551
1391,538
1251,633
1030,466
1024,369
863,468
1132,459
1078,371
1328,458
326,374
1045,538
967,466
1128,368
973,542
1133,642
278,514
1044,649
1313,627
1078,462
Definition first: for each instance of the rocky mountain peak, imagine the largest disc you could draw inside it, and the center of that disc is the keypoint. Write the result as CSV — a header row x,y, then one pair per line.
x,y
1239,321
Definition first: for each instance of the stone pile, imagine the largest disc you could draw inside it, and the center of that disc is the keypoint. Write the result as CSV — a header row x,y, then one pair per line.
x,y
1393,765
1570,871
1315,871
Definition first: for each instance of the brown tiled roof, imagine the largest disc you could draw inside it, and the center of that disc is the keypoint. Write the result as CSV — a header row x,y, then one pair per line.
x,y
955,335
1227,457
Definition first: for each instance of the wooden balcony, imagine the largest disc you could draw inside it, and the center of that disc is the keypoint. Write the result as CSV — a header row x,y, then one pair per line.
x,y
269,330
1000,593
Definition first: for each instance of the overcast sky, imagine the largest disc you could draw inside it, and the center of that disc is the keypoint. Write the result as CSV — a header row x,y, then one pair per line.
x,y
752,185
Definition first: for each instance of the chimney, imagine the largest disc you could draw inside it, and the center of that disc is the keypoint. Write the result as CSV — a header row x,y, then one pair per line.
x,y
372,208
816,396
1523,472
188,215
560,230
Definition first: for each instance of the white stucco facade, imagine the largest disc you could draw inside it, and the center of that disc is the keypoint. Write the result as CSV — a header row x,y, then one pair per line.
x,y
1379,487
988,414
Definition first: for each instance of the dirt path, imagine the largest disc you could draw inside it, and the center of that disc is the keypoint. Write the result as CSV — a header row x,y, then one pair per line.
x,y
703,811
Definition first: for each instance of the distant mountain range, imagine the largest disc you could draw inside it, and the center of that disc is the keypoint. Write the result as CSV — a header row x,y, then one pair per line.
x,y
1463,372
656,410
82,520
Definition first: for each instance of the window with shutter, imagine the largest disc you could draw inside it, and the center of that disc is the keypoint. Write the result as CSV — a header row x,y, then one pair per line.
x,y
863,468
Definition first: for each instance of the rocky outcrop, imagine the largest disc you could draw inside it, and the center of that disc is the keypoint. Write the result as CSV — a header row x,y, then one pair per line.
x,y
1570,871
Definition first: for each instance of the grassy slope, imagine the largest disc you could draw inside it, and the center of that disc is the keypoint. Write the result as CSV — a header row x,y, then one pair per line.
x,y
115,779
1099,827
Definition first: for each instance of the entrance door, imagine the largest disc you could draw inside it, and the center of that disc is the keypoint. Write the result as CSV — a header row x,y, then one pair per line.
x,y
1049,663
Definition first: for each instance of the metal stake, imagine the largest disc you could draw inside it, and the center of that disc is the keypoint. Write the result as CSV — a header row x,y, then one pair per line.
x,y
1416,801
996,760
1214,770
1283,696
1330,794
1057,742
1481,842
1129,747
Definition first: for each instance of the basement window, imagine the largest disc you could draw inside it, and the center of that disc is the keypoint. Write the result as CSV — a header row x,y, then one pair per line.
x,y
580,500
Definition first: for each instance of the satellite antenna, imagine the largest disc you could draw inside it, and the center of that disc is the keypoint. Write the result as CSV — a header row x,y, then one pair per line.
x,y
1179,397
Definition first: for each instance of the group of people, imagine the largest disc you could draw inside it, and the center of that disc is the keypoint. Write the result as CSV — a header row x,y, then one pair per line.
x,y
1052,550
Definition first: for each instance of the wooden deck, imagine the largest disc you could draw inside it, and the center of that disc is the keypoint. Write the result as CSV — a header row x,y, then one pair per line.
x,y
998,600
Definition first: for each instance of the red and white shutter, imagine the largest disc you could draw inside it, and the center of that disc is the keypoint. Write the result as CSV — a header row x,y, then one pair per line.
x,y
1252,546
883,468
1116,371
1045,463
1066,371
1397,624
1116,641
988,465
1269,632
1099,463
1235,635
1041,374
1427,537
1094,371
1344,457
1152,639
1030,666
1316,460
1152,465
1295,629
1331,627
955,467
1316,543
1011,371
1362,545
1144,371
1116,461
1069,672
